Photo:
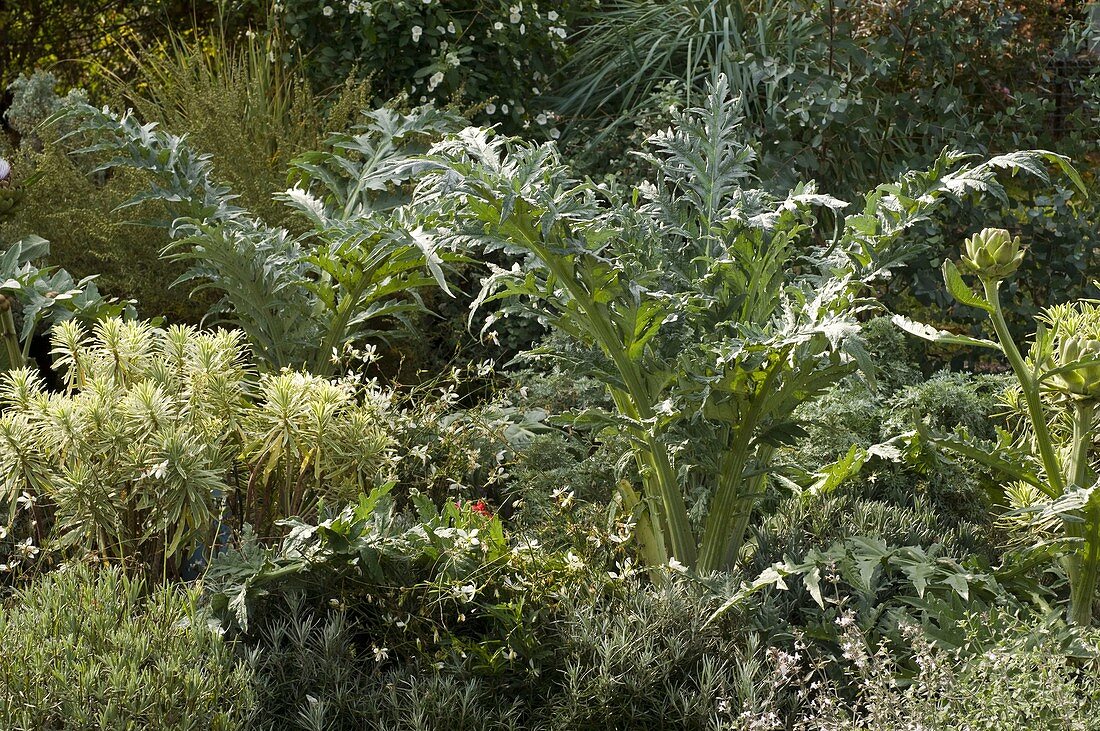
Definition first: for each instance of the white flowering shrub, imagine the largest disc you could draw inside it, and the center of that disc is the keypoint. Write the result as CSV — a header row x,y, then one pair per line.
x,y
493,54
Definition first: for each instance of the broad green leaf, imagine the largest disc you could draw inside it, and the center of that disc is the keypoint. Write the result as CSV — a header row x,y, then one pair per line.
x,y
927,332
960,290
832,475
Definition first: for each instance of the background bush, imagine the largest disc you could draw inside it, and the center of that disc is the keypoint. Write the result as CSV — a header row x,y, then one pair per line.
x,y
491,57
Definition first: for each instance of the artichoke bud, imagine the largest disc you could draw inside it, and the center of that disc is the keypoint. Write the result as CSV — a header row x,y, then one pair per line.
x,y
993,254
1082,382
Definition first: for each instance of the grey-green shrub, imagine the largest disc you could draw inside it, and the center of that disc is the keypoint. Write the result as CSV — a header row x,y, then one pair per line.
x,y
85,648
1021,677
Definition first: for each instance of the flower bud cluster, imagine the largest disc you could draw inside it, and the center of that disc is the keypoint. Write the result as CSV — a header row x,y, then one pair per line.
x,y
1080,382
993,254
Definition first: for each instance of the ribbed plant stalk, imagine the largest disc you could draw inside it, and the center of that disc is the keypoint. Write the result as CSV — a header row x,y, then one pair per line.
x,y
10,334
1029,385
635,402
1083,565
734,498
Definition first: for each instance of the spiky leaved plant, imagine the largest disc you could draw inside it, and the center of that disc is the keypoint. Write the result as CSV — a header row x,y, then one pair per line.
x,y
713,309
1051,457
300,299
161,434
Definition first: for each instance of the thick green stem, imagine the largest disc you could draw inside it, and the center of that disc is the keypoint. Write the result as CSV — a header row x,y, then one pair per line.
x,y
1030,387
755,489
661,474
732,502
658,473
1084,565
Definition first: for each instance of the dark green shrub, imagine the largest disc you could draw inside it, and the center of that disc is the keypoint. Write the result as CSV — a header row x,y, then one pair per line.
x,y
86,648
494,57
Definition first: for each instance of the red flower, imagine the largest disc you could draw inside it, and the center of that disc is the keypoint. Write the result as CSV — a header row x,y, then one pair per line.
x,y
478,506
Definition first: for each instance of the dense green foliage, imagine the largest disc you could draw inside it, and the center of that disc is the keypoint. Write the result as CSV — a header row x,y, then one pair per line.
x,y
87,648
548,366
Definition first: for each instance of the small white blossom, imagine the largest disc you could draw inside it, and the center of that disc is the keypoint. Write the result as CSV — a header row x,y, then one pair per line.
x,y
416,33
327,11
552,15
490,108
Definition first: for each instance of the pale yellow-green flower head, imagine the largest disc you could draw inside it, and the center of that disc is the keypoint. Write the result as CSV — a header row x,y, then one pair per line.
x,y
1081,382
993,254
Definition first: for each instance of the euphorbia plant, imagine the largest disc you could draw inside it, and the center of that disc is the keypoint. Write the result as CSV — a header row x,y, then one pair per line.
x,y
1058,384
711,309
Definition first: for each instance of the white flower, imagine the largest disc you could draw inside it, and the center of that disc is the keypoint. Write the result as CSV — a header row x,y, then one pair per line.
x,y
327,11
416,32
451,27
554,133
490,108
27,548
513,14
522,28
380,653
503,108
498,25
541,119
435,80
564,496
562,33
464,593
552,15
676,565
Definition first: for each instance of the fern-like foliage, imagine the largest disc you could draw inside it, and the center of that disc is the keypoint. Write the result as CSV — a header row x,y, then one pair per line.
x,y
301,299
717,309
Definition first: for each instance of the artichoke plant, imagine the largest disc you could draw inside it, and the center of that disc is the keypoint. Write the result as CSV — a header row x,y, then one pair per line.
x,y
709,308
1050,459
992,254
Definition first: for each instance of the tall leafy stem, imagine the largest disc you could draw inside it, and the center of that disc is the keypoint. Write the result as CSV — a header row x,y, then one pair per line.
x,y
1059,382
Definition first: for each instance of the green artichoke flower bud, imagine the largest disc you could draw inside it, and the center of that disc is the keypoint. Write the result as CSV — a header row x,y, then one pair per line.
x,y
993,254
1082,382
